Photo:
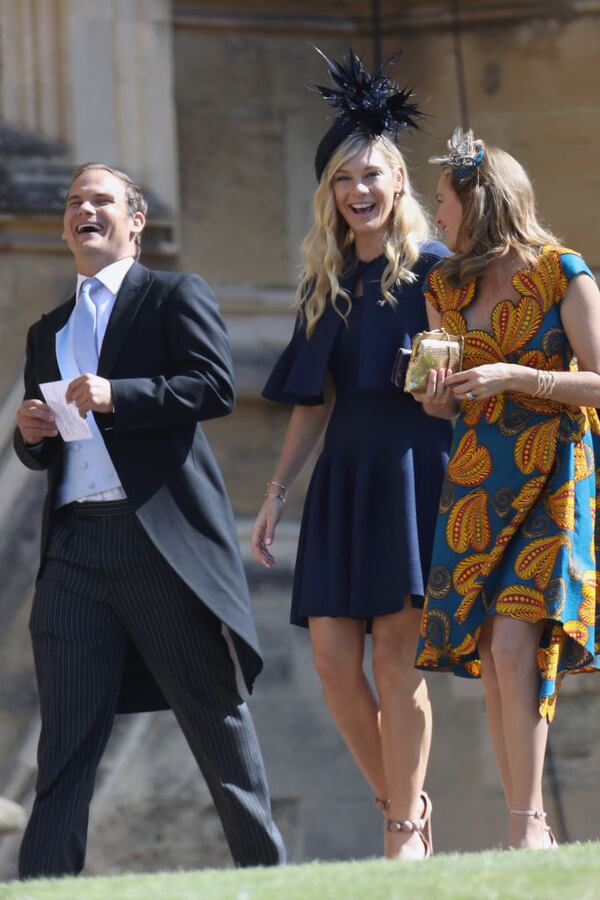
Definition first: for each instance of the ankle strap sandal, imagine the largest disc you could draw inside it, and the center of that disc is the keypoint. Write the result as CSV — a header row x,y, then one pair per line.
x,y
540,816
383,804
421,826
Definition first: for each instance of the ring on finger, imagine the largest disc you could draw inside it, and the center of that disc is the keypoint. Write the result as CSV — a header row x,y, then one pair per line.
x,y
471,395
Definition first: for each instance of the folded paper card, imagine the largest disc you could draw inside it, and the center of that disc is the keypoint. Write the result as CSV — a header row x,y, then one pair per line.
x,y
71,426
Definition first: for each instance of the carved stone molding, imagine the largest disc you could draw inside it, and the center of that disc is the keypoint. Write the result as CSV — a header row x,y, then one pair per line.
x,y
356,16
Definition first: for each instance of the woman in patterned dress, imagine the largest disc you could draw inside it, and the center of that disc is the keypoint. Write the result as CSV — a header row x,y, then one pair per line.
x,y
513,590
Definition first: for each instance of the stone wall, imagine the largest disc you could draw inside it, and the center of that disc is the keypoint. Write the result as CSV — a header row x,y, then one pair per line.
x,y
248,126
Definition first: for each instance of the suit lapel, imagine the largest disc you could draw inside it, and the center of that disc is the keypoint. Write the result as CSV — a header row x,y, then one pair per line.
x,y
129,299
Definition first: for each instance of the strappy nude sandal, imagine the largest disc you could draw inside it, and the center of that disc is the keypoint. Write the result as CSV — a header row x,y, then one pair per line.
x,y
540,816
383,804
421,826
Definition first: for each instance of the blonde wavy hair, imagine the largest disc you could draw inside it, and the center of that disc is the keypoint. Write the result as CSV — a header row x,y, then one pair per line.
x,y
326,247
499,216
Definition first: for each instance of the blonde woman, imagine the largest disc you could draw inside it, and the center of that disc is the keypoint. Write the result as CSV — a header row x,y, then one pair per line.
x,y
513,592
370,511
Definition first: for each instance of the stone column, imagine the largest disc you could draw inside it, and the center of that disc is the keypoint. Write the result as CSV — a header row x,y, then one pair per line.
x,y
98,77
123,111
29,90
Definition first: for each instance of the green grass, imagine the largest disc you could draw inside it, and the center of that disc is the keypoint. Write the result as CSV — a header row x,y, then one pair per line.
x,y
571,872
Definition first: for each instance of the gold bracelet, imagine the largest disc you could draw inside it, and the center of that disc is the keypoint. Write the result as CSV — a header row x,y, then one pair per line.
x,y
281,497
546,382
540,384
278,483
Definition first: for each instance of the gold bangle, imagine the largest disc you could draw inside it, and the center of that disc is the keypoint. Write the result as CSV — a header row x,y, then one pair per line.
x,y
281,497
546,382
278,483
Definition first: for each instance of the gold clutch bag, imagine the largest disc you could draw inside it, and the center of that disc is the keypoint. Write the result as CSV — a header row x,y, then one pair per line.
x,y
432,350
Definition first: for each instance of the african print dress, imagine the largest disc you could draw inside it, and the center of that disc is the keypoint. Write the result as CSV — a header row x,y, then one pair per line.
x,y
516,533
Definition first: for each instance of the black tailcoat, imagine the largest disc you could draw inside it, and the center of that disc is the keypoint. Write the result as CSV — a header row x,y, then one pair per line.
x,y
167,356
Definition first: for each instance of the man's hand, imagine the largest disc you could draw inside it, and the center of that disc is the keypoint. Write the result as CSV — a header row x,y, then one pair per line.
x,y
35,421
90,392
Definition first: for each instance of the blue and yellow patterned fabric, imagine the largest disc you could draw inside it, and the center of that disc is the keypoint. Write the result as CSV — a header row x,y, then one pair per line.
x,y
517,532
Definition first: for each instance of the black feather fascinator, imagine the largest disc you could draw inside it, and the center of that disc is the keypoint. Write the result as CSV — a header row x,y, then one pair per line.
x,y
367,104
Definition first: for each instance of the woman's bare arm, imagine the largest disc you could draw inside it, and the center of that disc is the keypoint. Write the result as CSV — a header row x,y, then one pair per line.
x,y
305,429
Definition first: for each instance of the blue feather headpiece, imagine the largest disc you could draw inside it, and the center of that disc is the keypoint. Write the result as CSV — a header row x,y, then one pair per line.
x,y
368,104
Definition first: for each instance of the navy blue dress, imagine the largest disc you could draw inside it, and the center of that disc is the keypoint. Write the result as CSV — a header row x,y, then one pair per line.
x,y
370,511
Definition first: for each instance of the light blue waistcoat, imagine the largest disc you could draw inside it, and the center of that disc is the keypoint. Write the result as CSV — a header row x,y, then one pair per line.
x,y
87,466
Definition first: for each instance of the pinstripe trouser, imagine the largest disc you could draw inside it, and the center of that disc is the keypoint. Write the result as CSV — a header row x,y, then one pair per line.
x,y
103,584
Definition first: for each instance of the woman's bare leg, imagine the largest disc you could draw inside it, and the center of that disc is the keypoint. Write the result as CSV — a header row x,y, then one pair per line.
x,y
338,649
405,723
493,701
514,648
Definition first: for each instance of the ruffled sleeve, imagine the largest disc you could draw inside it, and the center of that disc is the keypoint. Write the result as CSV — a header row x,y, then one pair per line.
x,y
299,374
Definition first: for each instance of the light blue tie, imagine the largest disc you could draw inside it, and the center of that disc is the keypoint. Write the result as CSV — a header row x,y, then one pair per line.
x,y
84,327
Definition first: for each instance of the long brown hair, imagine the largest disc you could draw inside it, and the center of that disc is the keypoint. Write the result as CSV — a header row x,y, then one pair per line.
x,y
499,216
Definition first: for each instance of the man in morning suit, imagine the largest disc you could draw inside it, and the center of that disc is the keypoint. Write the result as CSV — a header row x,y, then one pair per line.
x,y
140,568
